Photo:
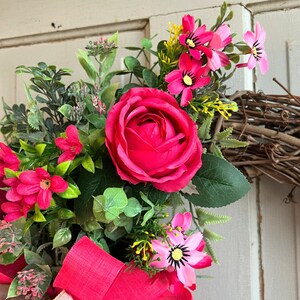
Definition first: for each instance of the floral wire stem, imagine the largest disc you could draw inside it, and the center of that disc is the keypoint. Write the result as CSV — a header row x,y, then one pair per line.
x,y
194,217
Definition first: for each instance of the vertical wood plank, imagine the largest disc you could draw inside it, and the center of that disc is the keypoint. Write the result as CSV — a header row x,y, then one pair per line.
x,y
279,253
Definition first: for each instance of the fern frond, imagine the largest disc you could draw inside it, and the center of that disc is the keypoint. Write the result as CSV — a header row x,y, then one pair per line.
x,y
208,218
212,236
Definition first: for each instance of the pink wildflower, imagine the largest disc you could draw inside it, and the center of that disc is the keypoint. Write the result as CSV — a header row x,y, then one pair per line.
x,y
182,255
176,287
7,160
14,210
38,186
70,145
221,38
190,76
179,225
255,40
195,40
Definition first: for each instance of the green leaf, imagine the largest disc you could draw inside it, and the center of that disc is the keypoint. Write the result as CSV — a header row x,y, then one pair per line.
x,y
26,147
62,168
204,130
87,65
10,173
38,217
96,120
229,16
109,58
224,134
131,62
116,234
88,164
148,215
41,286
208,218
145,198
66,110
216,151
71,192
108,95
132,48
219,183
65,214
232,143
62,237
234,57
91,226
223,9
40,148
146,43
107,207
33,258
94,184
210,251
150,78
133,208
243,47
12,291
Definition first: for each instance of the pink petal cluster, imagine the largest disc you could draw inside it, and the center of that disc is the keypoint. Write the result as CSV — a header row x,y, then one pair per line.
x,y
8,160
29,188
221,38
180,253
195,40
70,145
204,54
255,40
190,76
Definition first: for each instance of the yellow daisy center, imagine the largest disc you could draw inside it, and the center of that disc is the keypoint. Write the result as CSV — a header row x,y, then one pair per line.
x,y
177,254
190,43
254,51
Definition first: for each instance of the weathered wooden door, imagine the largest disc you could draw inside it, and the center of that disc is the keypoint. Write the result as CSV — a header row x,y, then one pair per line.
x,y
259,258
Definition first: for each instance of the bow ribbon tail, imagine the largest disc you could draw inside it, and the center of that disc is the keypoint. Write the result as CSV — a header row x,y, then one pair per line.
x,y
88,272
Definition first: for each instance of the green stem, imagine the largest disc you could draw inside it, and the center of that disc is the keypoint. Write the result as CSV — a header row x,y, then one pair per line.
x,y
194,217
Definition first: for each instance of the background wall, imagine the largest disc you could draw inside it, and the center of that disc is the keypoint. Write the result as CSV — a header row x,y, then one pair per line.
x,y
260,256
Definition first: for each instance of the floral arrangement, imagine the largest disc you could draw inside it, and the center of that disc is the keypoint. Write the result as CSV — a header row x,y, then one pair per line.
x,y
94,175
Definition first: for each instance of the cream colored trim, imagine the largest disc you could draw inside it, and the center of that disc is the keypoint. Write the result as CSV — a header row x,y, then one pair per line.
x,y
260,7
72,34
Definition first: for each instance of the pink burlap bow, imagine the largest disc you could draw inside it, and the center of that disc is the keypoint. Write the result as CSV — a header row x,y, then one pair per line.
x,y
88,272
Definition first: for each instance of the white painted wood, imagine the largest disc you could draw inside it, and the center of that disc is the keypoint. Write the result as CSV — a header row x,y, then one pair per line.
x,y
23,18
237,276
293,55
278,240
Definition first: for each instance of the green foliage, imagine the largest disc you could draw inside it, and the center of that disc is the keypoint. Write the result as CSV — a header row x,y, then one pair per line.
x,y
204,129
220,183
208,218
12,241
41,275
62,237
87,65
110,205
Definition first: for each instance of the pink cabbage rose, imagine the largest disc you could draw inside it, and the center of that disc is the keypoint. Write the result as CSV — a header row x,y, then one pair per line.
x,y
150,139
